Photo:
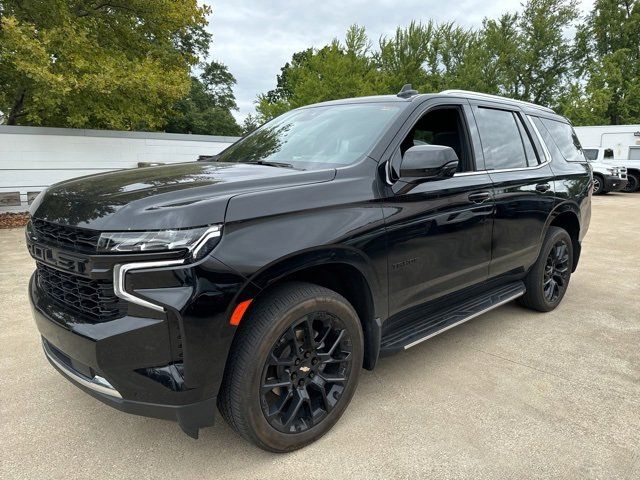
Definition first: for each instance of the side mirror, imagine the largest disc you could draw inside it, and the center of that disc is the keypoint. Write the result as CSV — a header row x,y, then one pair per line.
x,y
425,163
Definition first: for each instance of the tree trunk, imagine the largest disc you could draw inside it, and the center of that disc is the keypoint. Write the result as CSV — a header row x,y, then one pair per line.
x,y
16,111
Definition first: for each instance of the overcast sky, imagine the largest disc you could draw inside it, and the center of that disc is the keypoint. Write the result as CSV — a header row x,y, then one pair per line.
x,y
256,38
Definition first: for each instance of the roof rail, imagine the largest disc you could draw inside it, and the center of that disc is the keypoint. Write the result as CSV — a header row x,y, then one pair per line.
x,y
496,97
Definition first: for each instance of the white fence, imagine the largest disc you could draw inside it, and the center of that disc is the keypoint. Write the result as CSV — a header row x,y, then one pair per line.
x,y
32,158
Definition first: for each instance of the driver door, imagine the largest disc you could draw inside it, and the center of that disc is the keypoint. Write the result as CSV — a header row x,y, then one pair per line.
x,y
439,232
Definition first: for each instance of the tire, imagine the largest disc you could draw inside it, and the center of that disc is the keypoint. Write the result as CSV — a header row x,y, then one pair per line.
x,y
550,273
598,185
633,182
263,354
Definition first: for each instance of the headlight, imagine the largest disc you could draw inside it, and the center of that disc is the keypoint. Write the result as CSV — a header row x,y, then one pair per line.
x,y
199,241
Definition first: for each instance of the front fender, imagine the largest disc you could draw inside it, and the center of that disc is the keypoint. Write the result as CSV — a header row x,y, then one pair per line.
x,y
317,257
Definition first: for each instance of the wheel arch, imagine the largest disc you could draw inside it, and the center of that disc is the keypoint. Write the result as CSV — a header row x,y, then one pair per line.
x,y
343,270
567,217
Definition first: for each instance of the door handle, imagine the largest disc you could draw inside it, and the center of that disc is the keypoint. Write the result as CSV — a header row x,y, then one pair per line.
x,y
543,187
479,197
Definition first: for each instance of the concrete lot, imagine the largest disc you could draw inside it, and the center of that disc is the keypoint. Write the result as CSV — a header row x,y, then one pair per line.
x,y
511,394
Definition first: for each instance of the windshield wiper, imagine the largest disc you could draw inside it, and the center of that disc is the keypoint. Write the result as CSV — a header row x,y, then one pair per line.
x,y
269,164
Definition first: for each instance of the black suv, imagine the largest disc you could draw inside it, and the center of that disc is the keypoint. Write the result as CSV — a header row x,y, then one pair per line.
x,y
262,280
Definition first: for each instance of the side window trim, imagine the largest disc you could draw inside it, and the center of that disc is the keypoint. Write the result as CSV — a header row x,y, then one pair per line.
x,y
463,113
545,149
525,136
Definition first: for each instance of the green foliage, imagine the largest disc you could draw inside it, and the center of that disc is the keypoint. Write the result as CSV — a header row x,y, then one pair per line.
x,y
593,79
607,66
409,56
81,63
250,124
334,71
206,110
544,53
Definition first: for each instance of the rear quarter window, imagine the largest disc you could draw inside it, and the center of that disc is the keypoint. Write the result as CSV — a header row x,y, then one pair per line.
x,y
564,138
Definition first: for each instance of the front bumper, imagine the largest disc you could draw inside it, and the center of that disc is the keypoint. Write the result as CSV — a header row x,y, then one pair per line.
x,y
165,364
190,417
613,183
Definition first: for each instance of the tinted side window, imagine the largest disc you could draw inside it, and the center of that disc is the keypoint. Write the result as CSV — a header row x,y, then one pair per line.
x,y
565,139
501,140
441,126
608,153
591,153
555,152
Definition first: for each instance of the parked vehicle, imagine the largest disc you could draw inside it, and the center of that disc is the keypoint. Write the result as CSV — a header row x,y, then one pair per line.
x,y
617,145
606,177
262,281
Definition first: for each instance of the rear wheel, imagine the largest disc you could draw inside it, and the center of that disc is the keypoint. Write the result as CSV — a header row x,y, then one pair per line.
x,y
633,182
548,279
293,368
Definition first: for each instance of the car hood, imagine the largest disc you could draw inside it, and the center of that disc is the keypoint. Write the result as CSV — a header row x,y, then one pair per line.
x,y
172,196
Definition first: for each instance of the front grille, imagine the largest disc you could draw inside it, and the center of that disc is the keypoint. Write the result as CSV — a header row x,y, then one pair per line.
x,y
92,298
68,238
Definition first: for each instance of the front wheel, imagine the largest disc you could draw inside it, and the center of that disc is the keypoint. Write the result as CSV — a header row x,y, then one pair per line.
x,y
548,279
293,368
633,182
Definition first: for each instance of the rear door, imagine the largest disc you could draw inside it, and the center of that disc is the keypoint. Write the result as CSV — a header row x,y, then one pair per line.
x,y
523,185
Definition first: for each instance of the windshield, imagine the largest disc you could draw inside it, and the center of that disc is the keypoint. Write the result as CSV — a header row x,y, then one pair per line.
x,y
317,137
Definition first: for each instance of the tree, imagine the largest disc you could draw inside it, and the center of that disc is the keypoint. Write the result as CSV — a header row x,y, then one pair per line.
x,y
85,63
524,56
546,56
607,66
593,79
250,124
206,110
402,58
431,57
334,71
528,55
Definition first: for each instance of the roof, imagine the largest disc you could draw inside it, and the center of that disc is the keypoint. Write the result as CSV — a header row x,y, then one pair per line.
x,y
369,99
423,96
487,96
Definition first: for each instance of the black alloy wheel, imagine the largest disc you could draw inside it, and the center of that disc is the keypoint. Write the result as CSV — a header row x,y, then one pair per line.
x,y
556,271
548,278
293,366
306,372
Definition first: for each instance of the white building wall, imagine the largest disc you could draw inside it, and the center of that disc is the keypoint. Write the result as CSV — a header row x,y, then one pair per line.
x,y
32,158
